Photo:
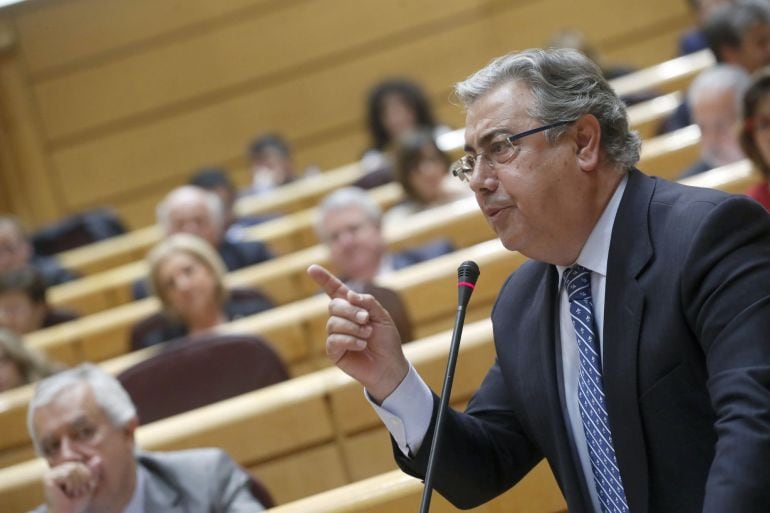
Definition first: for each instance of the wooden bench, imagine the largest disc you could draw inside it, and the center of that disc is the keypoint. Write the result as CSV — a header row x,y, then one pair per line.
x,y
395,491
673,75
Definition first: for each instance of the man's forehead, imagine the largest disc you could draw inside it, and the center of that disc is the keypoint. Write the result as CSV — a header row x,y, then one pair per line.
x,y
68,406
502,109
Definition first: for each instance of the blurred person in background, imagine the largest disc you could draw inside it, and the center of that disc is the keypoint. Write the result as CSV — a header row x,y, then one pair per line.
x,y
217,181
271,164
24,306
715,102
394,107
190,209
422,169
16,252
187,276
693,40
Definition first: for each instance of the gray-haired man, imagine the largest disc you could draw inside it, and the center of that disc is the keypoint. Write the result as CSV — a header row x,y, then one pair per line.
x,y
82,422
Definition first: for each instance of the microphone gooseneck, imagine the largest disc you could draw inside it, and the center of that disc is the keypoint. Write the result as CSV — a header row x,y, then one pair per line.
x,y
467,274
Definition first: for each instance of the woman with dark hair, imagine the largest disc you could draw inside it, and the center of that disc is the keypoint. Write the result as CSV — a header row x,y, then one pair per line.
x,y
187,276
423,171
394,108
755,132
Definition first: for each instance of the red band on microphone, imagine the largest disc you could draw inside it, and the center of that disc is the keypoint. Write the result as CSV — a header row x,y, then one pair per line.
x,y
466,284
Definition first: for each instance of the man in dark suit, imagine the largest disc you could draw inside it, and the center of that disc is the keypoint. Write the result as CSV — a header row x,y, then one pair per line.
x,y
82,422
633,350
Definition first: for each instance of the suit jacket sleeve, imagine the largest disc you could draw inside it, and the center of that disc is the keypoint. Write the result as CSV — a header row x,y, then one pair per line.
x,y
482,453
726,297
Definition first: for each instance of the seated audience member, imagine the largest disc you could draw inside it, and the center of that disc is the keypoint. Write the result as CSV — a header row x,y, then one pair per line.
x,y
190,209
271,164
82,422
187,276
715,101
16,252
23,304
693,40
755,132
423,171
216,180
737,33
394,108
349,223
20,365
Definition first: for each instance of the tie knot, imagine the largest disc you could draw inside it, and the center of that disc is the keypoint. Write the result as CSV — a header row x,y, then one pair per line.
x,y
577,280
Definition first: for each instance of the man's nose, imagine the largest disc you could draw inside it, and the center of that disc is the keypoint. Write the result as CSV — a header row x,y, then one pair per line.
x,y
483,177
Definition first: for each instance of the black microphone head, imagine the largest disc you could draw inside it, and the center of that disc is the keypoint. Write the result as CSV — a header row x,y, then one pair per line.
x,y
468,272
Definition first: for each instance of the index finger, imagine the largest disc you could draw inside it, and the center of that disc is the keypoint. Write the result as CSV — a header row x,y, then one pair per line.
x,y
332,285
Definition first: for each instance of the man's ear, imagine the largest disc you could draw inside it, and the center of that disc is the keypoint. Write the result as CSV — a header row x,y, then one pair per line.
x,y
130,427
588,134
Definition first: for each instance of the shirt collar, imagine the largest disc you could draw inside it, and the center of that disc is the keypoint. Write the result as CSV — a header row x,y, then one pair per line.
x,y
593,256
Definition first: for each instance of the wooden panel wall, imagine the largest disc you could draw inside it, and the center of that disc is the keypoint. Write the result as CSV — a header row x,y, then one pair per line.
x,y
115,101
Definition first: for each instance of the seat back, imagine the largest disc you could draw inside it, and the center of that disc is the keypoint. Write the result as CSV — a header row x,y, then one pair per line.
x,y
77,230
201,370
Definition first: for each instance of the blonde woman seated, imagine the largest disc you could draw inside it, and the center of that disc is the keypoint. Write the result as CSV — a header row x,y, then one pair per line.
x,y
187,276
20,365
423,171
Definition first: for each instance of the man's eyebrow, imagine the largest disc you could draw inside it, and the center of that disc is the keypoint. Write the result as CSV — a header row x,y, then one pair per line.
x,y
487,137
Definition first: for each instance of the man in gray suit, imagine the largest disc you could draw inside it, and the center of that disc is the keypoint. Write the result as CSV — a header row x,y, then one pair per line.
x,y
82,422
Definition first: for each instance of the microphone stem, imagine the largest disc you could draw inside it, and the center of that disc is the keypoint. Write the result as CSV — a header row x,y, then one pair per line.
x,y
446,390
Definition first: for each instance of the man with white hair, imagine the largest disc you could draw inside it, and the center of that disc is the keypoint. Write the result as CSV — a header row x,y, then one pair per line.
x,y
82,422
715,97
191,209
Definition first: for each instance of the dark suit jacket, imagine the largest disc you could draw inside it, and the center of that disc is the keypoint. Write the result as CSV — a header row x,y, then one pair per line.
x,y
199,480
686,365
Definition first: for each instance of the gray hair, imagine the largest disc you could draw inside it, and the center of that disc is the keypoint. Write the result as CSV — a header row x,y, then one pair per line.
x,y
109,394
344,198
565,85
722,77
214,205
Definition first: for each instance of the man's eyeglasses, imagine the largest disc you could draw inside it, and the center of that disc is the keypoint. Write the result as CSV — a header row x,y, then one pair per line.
x,y
500,151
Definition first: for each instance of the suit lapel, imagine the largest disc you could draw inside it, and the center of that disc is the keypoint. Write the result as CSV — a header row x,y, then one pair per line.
x,y
630,251
159,493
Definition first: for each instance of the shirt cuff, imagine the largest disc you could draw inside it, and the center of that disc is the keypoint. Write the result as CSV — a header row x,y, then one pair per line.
x,y
406,412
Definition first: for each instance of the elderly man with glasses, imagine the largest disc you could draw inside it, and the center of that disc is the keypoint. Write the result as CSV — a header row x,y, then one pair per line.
x,y
633,350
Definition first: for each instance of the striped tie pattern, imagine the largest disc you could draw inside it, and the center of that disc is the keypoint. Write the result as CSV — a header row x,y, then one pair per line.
x,y
593,407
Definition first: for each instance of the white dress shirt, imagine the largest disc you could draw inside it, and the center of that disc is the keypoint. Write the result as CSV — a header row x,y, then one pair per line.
x,y
407,411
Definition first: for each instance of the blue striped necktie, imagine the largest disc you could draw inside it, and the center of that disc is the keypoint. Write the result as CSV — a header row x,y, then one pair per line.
x,y
593,406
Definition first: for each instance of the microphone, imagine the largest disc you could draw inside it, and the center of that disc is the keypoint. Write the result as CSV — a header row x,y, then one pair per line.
x,y
467,274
